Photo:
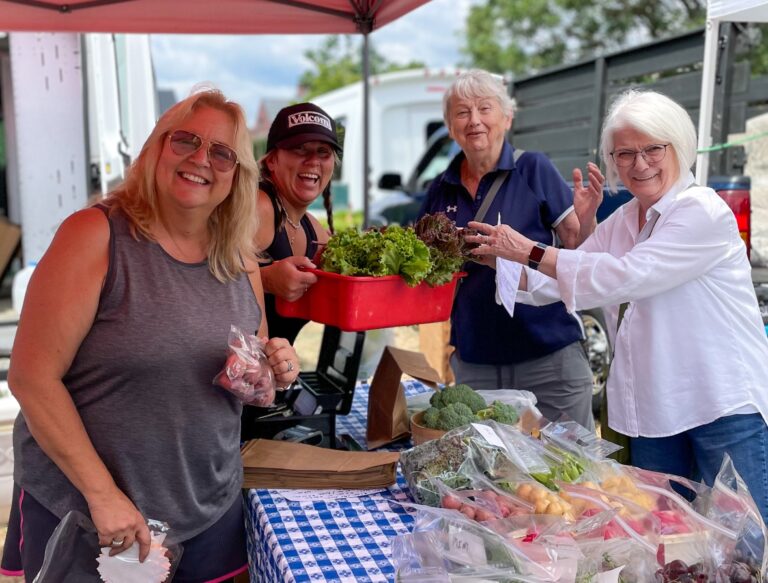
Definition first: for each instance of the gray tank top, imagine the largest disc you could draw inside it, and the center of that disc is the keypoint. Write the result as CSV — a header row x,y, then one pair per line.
x,y
142,383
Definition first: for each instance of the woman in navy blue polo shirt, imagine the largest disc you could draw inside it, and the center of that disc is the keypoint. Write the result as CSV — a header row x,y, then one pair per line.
x,y
538,349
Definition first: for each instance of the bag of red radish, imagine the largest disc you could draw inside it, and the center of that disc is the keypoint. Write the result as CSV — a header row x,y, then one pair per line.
x,y
247,373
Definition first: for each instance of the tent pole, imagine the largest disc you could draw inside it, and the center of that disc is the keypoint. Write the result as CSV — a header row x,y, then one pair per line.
x,y
366,128
708,70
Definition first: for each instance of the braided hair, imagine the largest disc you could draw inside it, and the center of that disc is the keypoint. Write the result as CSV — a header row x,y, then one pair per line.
x,y
328,204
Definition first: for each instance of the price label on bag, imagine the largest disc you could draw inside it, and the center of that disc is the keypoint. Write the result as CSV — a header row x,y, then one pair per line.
x,y
489,435
466,547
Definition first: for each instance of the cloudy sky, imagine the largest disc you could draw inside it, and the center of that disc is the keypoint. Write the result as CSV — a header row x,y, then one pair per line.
x,y
249,68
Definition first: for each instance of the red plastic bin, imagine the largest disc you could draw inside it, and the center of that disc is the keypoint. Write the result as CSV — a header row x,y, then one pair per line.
x,y
354,303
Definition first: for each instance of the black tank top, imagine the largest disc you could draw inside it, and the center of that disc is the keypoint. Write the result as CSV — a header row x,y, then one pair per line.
x,y
280,248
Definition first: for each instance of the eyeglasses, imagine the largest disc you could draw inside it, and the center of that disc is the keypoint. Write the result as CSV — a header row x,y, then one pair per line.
x,y
184,143
651,154
322,152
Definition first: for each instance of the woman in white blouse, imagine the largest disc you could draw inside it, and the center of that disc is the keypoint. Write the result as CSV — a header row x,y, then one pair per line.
x,y
689,379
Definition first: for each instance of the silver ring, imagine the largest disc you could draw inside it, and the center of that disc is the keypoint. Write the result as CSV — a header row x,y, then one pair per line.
x,y
290,365
117,542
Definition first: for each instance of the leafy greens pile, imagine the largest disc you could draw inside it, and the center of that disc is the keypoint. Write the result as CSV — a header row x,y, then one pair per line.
x,y
391,251
432,251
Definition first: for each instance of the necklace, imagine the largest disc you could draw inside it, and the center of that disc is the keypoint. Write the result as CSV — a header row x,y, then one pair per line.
x,y
290,222
295,226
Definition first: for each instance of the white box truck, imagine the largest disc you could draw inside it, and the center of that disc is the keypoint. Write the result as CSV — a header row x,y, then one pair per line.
x,y
405,109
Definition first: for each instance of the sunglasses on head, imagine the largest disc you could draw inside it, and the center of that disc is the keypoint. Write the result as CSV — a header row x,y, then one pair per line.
x,y
184,143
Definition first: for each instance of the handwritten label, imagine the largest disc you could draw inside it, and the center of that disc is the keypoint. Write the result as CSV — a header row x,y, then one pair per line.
x,y
611,576
324,495
466,547
489,435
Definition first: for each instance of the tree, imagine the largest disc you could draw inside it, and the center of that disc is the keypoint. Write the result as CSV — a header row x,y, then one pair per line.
x,y
339,62
524,36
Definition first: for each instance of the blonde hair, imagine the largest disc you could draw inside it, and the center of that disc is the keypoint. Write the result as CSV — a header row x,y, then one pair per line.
x,y
655,115
233,223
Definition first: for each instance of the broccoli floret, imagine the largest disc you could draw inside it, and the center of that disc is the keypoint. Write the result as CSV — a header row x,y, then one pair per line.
x,y
499,412
430,417
454,415
458,394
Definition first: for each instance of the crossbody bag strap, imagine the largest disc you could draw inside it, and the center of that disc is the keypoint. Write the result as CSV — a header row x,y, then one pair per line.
x,y
502,176
481,212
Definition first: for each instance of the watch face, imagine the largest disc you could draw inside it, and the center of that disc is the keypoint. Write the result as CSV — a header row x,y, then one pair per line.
x,y
537,253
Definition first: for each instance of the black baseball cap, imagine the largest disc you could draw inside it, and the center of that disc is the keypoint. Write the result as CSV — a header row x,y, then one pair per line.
x,y
304,122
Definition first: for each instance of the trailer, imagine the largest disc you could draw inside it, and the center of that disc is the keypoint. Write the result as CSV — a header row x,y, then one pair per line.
x,y
77,109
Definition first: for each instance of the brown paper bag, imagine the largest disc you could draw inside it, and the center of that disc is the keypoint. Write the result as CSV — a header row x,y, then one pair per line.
x,y
387,411
283,464
435,343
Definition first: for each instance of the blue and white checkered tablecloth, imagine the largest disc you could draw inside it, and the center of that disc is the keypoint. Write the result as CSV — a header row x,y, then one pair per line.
x,y
340,540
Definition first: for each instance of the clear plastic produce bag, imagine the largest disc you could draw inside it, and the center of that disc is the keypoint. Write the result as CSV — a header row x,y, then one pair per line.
x,y
247,373
453,458
730,505
72,554
445,543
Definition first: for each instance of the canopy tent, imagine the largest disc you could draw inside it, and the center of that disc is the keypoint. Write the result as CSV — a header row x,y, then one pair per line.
x,y
214,17
719,11
203,16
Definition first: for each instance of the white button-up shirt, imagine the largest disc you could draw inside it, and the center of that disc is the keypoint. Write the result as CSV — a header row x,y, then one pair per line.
x,y
692,346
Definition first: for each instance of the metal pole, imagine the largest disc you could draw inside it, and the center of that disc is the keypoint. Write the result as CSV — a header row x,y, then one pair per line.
x,y
366,170
708,71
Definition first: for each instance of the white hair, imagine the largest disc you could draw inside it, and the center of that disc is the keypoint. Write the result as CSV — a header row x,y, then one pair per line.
x,y
474,84
655,115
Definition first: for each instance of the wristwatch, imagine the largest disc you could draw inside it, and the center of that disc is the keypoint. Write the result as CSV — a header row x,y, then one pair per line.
x,y
537,254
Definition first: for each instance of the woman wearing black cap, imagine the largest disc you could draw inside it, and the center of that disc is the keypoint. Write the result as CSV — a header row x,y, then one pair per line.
x,y
302,150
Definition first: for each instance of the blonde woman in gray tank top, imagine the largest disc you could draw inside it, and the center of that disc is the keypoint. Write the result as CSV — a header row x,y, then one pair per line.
x,y
124,327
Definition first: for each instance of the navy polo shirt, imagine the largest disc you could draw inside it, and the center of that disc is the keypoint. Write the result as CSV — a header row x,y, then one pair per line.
x,y
532,200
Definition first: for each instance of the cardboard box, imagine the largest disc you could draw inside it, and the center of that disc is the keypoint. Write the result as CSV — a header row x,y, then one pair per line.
x,y
387,410
10,240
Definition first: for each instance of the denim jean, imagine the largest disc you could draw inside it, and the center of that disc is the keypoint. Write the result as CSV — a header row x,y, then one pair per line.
x,y
698,453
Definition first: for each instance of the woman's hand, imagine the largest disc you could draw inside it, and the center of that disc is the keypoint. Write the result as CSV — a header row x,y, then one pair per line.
x,y
500,241
286,278
283,360
119,523
586,200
